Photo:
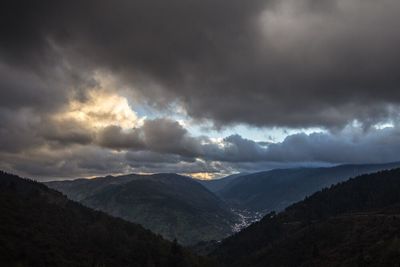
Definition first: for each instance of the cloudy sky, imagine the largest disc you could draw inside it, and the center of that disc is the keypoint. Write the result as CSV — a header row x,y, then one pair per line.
x,y
201,87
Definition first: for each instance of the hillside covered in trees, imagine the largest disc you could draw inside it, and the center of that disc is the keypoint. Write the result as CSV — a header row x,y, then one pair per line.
x,y
41,227
354,223
174,206
275,190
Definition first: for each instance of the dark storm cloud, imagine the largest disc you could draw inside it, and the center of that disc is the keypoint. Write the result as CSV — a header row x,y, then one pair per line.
x,y
234,153
351,145
17,130
66,132
289,63
158,135
44,87
164,140
24,129
164,135
294,63
355,146
114,137
146,157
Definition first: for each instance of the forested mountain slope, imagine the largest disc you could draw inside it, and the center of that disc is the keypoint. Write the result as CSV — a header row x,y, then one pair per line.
x,y
354,223
172,205
41,227
275,190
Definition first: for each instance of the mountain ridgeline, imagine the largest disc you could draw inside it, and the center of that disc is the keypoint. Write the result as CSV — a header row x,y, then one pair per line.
x,y
168,204
354,223
179,207
216,185
276,189
40,227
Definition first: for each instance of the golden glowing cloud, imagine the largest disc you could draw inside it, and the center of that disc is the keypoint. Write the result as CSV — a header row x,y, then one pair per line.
x,y
101,109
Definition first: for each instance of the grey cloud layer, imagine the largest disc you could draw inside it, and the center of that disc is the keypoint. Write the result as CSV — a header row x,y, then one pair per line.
x,y
288,63
159,135
165,140
67,148
173,149
350,145
294,63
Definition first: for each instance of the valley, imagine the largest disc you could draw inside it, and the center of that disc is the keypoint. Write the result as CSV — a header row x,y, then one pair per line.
x,y
175,206
192,211
352,223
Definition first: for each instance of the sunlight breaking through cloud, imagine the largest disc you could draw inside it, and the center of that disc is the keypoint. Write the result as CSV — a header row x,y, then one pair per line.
x,y
102,109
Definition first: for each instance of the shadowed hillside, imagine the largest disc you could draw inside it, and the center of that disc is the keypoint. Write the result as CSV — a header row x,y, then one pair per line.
x,y
40,227
217,185
169,204
275,190
354,223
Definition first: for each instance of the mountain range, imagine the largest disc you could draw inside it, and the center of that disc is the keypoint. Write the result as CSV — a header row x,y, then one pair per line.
x,y
351,223
172,205
192,211
276,189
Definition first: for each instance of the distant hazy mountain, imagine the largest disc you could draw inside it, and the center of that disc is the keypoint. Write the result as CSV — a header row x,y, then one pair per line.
x,y
40,227
219,184
169,204
274,190
354,223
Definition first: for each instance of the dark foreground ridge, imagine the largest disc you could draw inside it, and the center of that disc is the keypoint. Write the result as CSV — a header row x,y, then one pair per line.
x,y
41,227
354,223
